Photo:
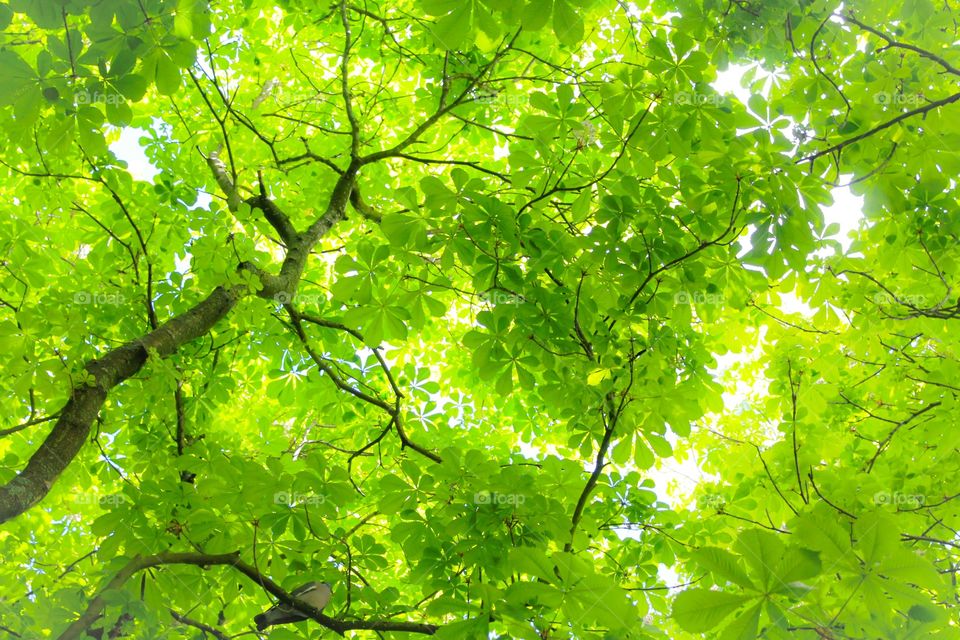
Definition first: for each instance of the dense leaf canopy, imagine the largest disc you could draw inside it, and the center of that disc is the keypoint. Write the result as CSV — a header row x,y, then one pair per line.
x,y
426,296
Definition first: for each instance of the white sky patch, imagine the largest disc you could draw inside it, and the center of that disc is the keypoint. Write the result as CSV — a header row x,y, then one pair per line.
x,y
128,149
729,81
846,210
790,303
675,481
203,200
182,264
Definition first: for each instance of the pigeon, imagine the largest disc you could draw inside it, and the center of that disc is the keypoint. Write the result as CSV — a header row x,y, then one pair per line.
x,y
315,594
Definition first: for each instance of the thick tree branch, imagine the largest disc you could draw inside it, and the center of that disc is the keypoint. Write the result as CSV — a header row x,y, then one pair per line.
x,y
73,426
936,104
224,181
75,419
610,426
345,83
96,606
610,415
364,209
271,212
275,216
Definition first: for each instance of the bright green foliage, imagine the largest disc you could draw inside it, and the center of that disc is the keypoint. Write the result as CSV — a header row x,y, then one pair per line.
x,y
427,293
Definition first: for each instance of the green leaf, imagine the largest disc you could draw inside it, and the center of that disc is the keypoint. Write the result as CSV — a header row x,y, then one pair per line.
x,y
133,87
567,23
876,535
922,613
184,17
744,627
597,376
453,30
762,551
796,564
533,562
403,230
16,76
723,565
822,533
167,75
536,14
700,610
6,15
46,15
119,113
60,135
907,566
659,49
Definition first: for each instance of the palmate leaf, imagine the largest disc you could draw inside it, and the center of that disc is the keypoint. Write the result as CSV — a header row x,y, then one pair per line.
x,y
744,627
17,76
819,531
504,318
762,552
723,565
700,610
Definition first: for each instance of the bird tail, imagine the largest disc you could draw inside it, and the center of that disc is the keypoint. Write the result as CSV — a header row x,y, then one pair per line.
x,y
261,621
277,615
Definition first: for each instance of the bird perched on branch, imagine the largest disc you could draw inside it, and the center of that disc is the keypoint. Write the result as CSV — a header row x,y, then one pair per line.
x,y
315,594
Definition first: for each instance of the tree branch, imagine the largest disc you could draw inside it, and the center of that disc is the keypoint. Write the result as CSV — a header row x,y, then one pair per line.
x,y
75,419
139,563
414,135
205,628
73,426
949,68
936,104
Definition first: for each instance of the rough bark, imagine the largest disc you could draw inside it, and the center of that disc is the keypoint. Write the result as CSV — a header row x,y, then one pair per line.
x,y
73,426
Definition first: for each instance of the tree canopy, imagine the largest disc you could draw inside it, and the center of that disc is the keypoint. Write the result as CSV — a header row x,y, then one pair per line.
x,y
425,294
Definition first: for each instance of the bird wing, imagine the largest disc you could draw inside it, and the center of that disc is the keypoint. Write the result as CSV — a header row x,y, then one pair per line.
x,y
315,594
